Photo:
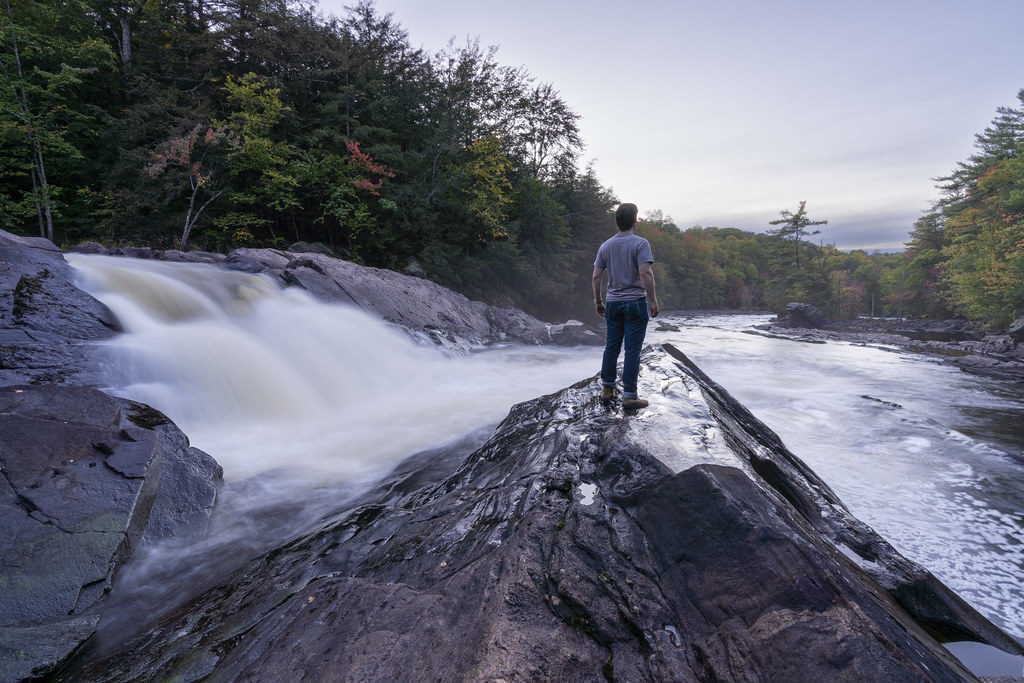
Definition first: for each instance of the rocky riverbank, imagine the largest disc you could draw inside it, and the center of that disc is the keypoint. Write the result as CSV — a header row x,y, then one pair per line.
x,y
579,543
957,342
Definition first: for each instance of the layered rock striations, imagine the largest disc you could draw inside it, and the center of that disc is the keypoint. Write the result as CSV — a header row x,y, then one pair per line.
x,y
682,542
959,342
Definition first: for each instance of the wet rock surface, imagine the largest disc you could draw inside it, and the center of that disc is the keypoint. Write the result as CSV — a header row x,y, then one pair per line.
x,y
46,322
679,542
85,480
580,543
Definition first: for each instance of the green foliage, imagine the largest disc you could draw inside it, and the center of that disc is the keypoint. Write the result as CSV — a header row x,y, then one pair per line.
x,y
47,55
967,255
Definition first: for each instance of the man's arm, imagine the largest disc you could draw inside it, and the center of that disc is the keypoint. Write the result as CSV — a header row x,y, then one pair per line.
x,y
596,286
647,278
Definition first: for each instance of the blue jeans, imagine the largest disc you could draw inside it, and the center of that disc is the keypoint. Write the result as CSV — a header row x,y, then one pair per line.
x,y
627,324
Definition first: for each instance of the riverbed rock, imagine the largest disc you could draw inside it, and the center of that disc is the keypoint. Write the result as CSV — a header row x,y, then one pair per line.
x,y
175,255
85,480
803,315
1016,330
46,323
424,307
951,330
952,342
582,542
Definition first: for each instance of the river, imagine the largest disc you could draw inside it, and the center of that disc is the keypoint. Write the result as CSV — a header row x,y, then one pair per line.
x,y
305,405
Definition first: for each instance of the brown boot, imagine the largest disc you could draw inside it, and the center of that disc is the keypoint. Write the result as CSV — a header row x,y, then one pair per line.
x,y
607,392
634,403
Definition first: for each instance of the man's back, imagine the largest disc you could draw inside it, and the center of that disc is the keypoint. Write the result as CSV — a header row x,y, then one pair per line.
x,y
620,256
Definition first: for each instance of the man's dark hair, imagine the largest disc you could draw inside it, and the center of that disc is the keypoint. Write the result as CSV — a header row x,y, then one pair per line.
x,y
625,216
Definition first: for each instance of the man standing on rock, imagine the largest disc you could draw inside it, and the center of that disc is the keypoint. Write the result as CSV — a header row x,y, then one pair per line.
x,y
627,258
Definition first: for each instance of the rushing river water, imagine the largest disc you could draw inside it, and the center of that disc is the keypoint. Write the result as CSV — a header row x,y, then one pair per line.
x,y
319,401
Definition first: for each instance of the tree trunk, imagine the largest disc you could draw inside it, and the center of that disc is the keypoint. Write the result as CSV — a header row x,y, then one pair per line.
x,y
39,205
125,43
44,189
40,187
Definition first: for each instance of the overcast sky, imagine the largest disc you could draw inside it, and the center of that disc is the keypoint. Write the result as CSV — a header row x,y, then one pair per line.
x,y
725,112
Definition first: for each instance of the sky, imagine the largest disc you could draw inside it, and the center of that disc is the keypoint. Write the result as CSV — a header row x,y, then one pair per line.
x,y
726,112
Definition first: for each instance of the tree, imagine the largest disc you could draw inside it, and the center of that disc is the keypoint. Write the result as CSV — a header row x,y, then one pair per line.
x,y
263,184
118,18
660,220
968,252
543,130
345,189
794,227
195,165
42,70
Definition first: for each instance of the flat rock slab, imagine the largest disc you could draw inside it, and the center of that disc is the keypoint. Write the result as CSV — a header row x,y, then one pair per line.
x,y
85,480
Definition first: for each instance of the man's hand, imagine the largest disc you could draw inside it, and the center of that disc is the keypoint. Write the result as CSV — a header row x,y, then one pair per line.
x,y
647,278
596,281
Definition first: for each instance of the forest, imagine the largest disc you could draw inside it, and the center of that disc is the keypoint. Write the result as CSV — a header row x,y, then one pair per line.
x,y
215,124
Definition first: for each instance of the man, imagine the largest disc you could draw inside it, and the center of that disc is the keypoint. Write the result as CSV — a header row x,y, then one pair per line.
x,y
627,258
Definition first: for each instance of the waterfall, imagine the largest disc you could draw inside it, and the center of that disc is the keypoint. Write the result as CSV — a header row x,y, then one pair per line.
x,y
266,378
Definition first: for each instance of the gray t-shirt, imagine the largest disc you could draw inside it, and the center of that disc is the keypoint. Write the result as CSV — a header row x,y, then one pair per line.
x,y
620,257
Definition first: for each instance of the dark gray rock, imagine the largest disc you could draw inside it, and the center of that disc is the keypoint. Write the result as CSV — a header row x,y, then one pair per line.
x,y
1016,329
952,330
188,256
682,542
997,356
442,315
174,255
87,248
46,323
803,315
409,300
311,248
85,480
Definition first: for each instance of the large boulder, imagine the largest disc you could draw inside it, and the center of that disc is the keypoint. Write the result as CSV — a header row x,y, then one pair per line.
x,y
85,480
425,308
46,323
445,316
803,315
682,542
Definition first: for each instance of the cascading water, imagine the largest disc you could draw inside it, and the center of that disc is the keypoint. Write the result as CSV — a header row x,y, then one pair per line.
x,y
269,379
